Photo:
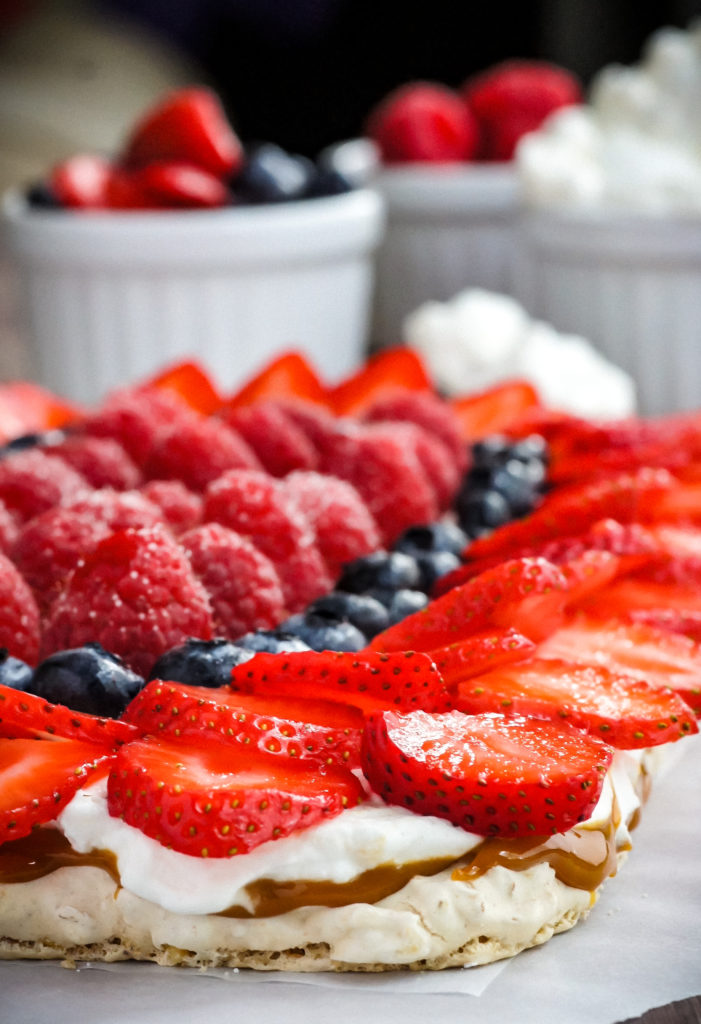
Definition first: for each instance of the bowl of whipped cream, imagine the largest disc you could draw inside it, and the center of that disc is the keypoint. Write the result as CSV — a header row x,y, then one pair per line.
x,y
611,233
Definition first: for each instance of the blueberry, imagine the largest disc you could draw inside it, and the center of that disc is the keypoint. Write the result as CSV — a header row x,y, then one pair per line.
x,y
361,610
532,447
270,175
388,570
405,602
45,439
482,510
443,535
518,483
88,679
41,196
14,672
201,662
357,160
328,183
276,641
490,452
322,631
434,564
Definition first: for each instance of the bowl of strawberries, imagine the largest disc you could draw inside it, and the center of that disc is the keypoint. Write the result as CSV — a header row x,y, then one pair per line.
x,y
190,241
449,181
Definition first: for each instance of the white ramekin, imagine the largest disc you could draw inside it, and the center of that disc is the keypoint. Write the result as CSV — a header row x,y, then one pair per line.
x,y
111,297
631,284
449,227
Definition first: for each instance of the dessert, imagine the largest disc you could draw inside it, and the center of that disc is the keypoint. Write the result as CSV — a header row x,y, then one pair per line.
x,y
269,802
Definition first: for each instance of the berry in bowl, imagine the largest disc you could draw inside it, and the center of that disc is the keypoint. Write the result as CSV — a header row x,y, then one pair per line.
x,y
131,260
450,184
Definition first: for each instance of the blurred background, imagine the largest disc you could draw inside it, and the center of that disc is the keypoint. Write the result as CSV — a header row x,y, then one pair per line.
x,y
74,74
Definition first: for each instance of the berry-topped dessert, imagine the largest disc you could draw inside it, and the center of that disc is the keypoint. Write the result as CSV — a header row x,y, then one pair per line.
x,y
349,678
183,153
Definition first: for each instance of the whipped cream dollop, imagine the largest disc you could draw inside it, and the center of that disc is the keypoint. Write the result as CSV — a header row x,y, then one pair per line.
x,y
338,850
478,339
636,144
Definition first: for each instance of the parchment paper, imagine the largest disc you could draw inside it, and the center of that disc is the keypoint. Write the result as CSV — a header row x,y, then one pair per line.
x,y
640,948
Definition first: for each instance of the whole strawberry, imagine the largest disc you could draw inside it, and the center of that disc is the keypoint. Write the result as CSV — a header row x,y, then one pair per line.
x,y
514,98
135,594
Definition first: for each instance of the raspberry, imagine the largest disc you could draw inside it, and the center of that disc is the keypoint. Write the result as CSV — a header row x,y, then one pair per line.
x,y
384,468
426,410
435,460
181,508
135,594
101,460
197,452
513,98
19,614
423,121
31,482
278,442
318,426
343,525
243,586
256,506
50,545
9,530
118,510
135,418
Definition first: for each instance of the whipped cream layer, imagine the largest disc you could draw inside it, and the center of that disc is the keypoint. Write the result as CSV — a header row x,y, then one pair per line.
x,y
635,146
480,338
338,850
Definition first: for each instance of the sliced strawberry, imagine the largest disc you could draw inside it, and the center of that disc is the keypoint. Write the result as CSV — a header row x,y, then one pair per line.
x,y
288,375
685,623
588,573
172,184
485,773
216,800
495,410
642,600
191,383
467,658
82,182
26,408
569,511
637,649
26,716
323,732
188,125
623,711
367,680
38,779
526,594
382,374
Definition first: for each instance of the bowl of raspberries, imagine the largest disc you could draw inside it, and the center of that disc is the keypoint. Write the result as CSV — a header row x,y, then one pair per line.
x,y
448,178
191,240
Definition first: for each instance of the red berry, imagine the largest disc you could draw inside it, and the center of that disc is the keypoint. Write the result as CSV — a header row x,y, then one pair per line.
x,y
49,545
485,773
383,465
174,184
343,525
278,442
135,594
102,461
180,507
198,451
243,585
31,482
9,529
19,614
136,417
255,505
427,410
423,121
515,97
82,182
188,125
